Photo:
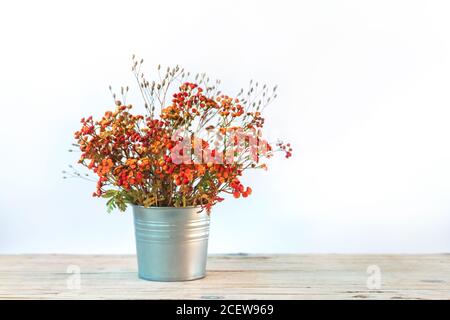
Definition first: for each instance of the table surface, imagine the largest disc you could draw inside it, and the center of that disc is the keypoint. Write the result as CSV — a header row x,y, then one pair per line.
x,y
239,276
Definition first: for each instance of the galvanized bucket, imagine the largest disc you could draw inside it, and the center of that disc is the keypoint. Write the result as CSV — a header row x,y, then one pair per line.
x,y
171,243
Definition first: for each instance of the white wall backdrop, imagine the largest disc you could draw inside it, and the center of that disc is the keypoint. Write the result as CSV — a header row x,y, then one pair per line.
x,y
364,99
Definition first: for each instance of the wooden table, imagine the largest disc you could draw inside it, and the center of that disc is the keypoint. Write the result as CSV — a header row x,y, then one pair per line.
x,y
239,276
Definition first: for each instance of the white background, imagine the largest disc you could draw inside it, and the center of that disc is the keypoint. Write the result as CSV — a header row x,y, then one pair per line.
x,y
364,98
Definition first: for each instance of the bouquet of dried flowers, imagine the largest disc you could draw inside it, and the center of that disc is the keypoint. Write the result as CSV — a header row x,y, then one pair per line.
x,y
194,150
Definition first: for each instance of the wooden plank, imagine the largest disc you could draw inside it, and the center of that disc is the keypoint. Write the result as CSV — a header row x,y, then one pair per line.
x,y
230,277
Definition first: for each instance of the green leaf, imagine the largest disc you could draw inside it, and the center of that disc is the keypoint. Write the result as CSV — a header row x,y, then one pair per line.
x,y
110,193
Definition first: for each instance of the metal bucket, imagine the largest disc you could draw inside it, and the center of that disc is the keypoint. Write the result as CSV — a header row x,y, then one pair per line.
x,y
171,243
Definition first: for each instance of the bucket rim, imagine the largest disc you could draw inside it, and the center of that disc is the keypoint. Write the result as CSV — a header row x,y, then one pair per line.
x,y
164,208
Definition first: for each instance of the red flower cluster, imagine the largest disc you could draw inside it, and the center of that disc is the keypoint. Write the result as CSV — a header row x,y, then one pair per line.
x,y
136,158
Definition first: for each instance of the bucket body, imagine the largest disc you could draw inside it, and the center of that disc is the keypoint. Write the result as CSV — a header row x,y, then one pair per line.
x,y
171,243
